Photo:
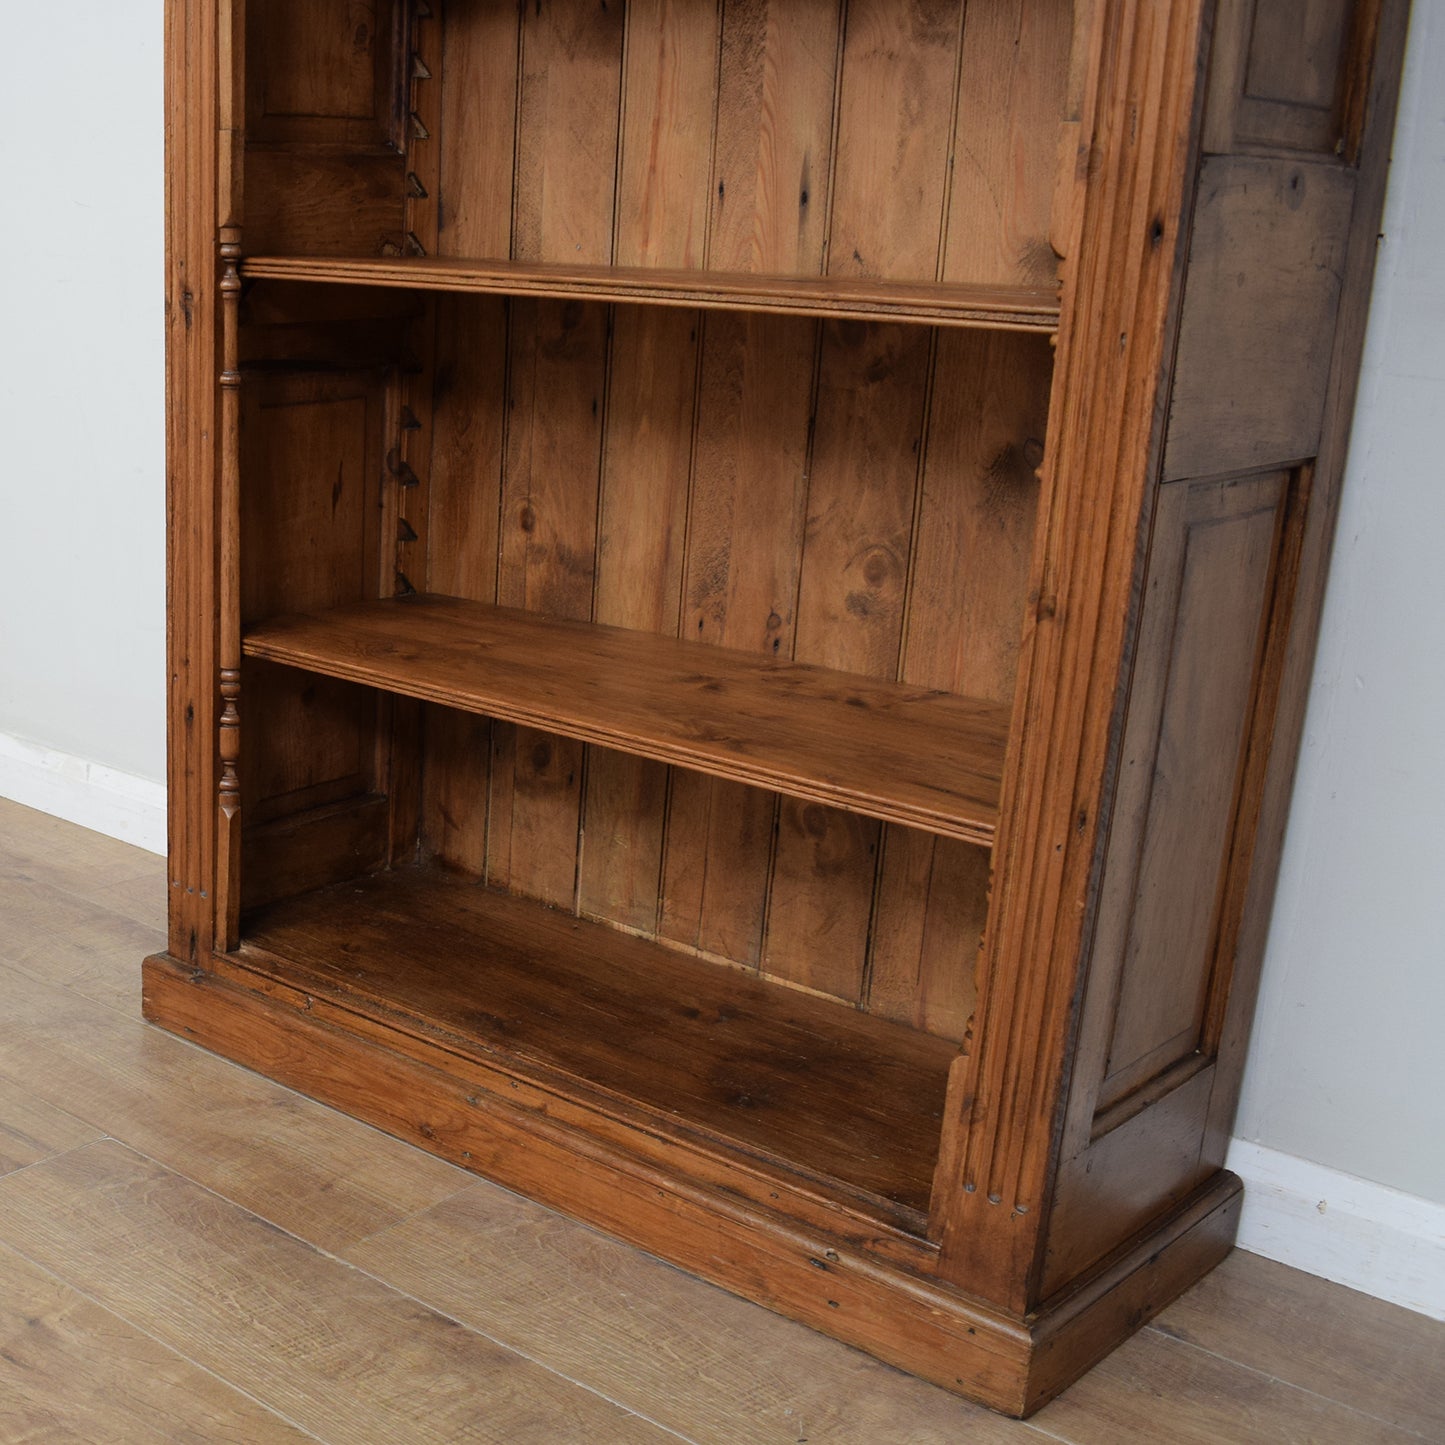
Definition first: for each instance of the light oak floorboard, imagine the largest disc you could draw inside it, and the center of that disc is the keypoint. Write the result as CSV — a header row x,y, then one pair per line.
x,y
71,1370
700,1361
63,938
306,1168
1386,1361
76,858
32,1130
1153,1390
326,1345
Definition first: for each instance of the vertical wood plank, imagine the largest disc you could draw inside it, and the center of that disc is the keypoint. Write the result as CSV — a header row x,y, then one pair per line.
x,y
548,542
567,126
869,424
564,191
774,131
972,554
669,99
474,218
468,421
668,109
479,121
1013,83
748,500
771,166
900,65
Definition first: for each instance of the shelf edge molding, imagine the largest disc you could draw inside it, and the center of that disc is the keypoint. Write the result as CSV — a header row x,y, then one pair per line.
x,y
998,308
887,750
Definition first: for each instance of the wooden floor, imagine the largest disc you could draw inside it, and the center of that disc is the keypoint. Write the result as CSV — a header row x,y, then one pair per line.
x,y
191,1253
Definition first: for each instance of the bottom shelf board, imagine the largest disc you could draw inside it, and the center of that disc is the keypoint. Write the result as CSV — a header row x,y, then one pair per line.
x,y
797,1084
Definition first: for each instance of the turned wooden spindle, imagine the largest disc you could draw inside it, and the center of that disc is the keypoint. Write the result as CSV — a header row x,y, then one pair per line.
x,y
228,791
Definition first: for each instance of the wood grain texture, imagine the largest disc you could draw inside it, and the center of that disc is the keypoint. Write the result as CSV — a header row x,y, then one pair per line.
x,y
867,432
1151,1389
192,333
335,1350
62,937
601,1016
1011,103
321,1176
32,1130
71,1370
772,153
929,758
896,94
731,158
1266,262
1156,970
631,1328
1283,75
750,460
669,100
709,1225
642,524
1319,1337
546,563
479,126
992,306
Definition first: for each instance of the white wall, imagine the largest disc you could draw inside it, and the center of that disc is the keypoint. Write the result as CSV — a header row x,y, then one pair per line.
x,y
82,588
1346,1068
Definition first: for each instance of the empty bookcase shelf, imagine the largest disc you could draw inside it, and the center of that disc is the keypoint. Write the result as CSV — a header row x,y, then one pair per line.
x,y
907,755
622,1027
860,298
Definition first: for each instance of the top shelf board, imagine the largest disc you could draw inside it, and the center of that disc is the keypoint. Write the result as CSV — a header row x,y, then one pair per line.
x,y
926,759
997,308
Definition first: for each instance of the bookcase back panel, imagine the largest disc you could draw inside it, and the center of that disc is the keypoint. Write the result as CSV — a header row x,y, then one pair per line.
x,y
820,491
863,138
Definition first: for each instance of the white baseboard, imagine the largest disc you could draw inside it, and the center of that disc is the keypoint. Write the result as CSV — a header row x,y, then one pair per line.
x,y
117,804
1367,1236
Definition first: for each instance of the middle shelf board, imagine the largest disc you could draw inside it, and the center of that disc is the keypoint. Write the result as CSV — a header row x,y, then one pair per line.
x,y
856,298
908,755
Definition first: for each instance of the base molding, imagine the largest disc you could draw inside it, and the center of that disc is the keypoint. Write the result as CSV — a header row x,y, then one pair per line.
x,y
105,800
1372,1238
894,1312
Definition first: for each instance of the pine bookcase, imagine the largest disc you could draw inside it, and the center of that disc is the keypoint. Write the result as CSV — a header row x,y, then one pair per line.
x,y
742,582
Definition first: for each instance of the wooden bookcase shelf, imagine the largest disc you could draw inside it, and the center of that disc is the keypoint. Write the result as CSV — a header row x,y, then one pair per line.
x,y
761,712
624,1028
857,298
905,755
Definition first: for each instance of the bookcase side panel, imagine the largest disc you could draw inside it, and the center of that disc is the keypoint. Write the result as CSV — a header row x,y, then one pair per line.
x,y
1282,246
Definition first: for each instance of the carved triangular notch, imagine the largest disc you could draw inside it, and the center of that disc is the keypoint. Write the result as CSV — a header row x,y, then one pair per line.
x,y
418,129
408,420
414,187
419,69
405,532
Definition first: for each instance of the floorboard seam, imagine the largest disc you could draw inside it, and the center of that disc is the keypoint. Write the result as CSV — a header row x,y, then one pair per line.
x,y
1288,1384
155,1339
405,1294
